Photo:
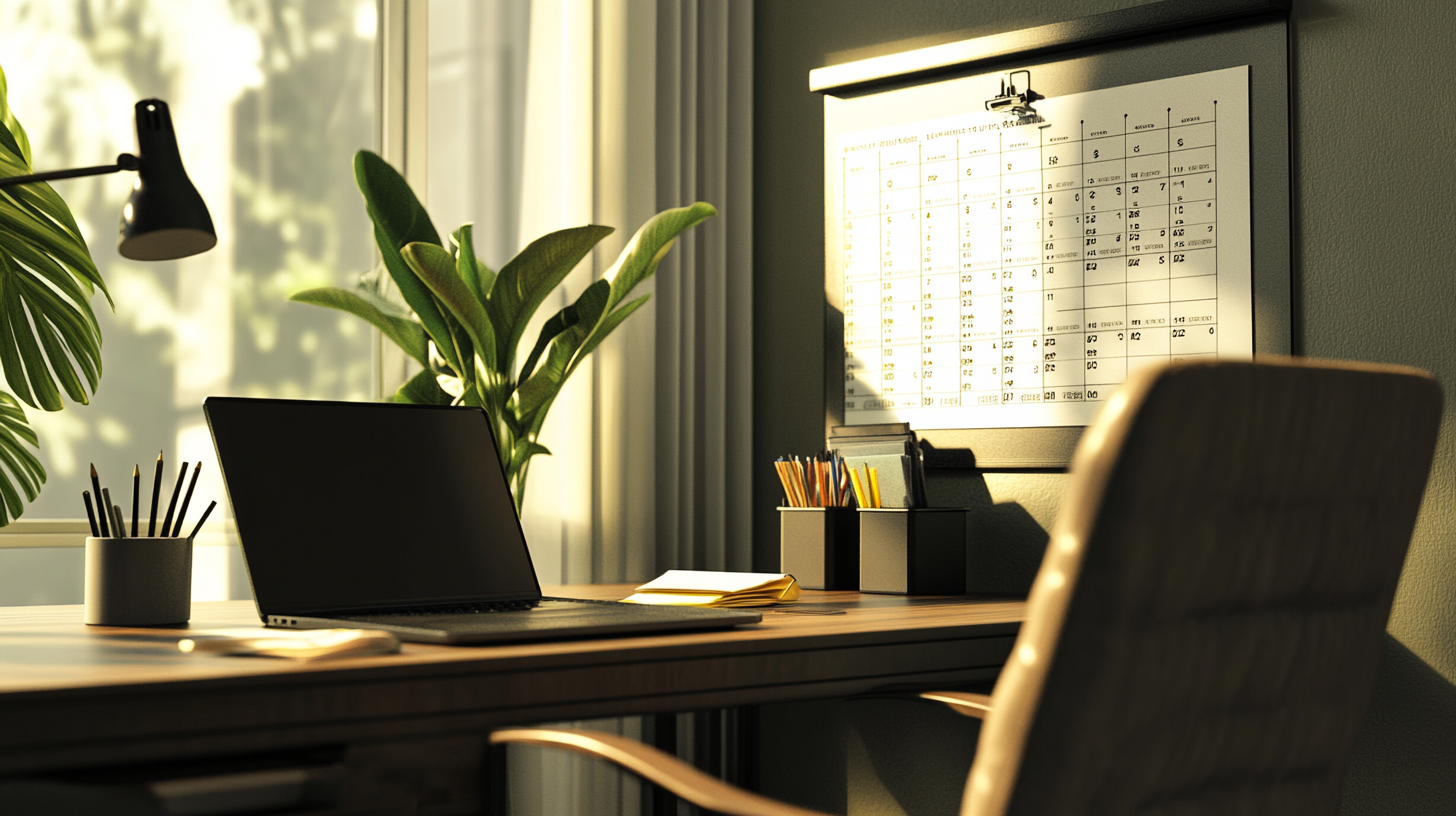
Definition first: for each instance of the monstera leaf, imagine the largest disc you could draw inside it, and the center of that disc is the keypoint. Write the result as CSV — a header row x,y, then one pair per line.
x,y
49,339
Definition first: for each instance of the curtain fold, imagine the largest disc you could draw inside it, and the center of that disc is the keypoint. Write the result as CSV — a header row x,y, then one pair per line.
x,y
703,399
650,443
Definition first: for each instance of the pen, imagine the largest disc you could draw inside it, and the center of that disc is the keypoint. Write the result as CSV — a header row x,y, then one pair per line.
x,y
91,514
172,505
177,525
136,491
205,514
156,491
102,510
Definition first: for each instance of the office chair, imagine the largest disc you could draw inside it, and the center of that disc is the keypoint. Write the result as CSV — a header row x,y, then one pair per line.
x,y
1204,631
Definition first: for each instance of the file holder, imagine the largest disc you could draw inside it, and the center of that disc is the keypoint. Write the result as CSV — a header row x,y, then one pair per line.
x,y
912,551
138,581
819,546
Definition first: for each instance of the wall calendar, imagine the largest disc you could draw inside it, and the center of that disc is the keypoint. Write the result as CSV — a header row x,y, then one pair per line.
x,y
1008,267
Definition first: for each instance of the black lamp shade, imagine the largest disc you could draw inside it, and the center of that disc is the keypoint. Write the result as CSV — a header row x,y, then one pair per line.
x,y
165,217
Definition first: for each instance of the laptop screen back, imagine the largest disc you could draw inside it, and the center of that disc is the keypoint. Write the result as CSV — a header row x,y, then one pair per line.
x,y
347,506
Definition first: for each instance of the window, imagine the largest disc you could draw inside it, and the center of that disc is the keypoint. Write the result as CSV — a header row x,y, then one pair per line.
x,y
270,99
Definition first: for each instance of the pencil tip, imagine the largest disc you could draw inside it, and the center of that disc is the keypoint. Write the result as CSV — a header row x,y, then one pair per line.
x,y
136,470
93,470
159,456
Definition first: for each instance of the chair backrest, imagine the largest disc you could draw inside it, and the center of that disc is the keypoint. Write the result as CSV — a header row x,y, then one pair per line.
x,y
1204,632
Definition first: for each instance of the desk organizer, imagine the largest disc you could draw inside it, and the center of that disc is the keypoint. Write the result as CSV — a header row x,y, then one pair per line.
x,y
138,581
819,546
912,551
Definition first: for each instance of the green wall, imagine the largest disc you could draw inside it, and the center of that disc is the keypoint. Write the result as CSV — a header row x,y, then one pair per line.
x,y
1374,161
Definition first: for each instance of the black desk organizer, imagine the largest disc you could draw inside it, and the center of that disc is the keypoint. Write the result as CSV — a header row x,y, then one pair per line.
x,y
912,551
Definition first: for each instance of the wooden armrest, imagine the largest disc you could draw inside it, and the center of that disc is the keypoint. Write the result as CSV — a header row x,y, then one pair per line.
x,y
964,702
656,767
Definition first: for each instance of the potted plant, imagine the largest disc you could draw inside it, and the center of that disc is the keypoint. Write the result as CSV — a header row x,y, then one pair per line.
x,y
464,322
51,340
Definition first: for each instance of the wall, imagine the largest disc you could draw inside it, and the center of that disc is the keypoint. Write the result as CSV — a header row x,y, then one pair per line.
x,y
1373,176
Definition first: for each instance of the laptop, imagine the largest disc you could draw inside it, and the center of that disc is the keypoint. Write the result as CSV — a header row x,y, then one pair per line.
x,y
398,517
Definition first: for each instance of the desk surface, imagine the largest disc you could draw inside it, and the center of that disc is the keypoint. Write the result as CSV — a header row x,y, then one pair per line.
x,y
74,695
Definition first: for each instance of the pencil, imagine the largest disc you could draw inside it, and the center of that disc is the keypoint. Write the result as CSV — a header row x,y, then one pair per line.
x,y
136,496
784,480
102,510
177,525
105,508
858,492
91,514
874,484
156,491
172,505
205,514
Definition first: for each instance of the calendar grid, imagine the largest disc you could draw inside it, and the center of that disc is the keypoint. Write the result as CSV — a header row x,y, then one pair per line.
x,y
1020,268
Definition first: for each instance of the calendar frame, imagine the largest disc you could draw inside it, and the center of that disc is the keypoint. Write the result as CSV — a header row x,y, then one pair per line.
x,y
1146,43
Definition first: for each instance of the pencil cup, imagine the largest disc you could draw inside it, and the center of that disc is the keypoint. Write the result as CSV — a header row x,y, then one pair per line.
x,y
912,551
819,546
138,581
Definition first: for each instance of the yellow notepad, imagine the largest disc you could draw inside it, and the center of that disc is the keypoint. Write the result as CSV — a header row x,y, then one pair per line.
x,y
299,644
719,589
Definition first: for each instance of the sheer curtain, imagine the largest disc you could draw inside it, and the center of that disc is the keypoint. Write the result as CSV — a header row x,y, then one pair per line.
x,y
634,106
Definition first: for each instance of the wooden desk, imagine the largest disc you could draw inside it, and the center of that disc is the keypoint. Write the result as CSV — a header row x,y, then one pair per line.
x,y
74,696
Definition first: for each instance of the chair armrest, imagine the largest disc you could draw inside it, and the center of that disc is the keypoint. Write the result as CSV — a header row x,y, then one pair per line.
x,y
655,766
964,702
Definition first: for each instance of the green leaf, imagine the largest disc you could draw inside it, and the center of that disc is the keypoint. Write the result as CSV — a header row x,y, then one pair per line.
x,y
465,262
20,464
49,337
559,322
523,451
433,265
8,120
393,321
391,204
524,282
537,392
400,219
606,326
422,389
639,259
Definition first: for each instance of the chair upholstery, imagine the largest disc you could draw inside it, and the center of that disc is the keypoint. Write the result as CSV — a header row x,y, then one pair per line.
x,y
1204,632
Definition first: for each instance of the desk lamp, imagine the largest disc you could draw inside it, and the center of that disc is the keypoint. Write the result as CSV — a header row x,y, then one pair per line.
x,y
165,217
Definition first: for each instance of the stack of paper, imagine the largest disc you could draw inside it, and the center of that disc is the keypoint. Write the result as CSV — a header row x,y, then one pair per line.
x,y
300,644
721,589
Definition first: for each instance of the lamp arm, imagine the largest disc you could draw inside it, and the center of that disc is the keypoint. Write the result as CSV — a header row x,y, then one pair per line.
x,y
125,161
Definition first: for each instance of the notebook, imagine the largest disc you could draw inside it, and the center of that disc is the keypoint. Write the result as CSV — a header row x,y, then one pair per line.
x,y
397,517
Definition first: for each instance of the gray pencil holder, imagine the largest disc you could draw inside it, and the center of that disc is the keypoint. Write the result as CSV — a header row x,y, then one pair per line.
x,y
138,581
912,551
819,546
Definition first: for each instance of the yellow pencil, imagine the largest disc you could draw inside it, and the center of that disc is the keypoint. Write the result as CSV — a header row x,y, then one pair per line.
x,y
858,493
875,485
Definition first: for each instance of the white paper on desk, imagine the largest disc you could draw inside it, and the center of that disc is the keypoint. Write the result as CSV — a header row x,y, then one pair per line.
x,y
719,589
298,644
709,582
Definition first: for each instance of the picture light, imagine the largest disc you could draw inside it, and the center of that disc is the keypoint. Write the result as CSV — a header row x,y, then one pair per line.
x,y
165,217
